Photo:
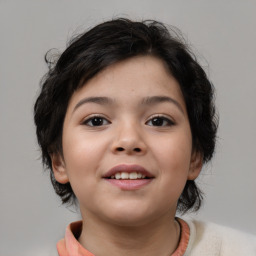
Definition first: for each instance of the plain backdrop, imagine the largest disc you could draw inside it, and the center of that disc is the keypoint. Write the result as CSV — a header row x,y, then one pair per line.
x,y
223,36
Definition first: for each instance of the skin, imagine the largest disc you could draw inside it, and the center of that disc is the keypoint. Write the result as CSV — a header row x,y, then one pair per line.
x,y
137,222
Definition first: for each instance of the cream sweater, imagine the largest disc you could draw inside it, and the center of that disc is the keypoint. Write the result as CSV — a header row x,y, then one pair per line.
x,y
208,239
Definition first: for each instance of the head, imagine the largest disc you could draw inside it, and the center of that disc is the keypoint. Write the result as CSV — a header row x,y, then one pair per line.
x,y
111,43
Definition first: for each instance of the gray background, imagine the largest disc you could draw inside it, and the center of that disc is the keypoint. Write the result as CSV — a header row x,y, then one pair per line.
x,y
223,36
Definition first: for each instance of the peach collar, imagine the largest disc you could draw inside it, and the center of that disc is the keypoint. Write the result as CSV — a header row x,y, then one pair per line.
x,y
69,246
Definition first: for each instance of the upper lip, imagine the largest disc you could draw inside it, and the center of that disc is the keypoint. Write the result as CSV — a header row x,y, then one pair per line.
x,y
127,168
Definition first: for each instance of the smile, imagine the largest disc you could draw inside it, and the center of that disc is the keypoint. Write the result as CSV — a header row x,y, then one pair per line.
x,y
128,172
128,177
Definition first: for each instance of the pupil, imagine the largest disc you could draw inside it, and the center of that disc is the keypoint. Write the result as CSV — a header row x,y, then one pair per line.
x,y
157,121
97,121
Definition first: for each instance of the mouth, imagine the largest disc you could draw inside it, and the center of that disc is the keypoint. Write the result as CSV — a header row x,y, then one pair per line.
x,y
128,172
128,177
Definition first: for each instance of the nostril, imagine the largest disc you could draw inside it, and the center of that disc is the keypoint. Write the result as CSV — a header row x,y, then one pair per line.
x,y
120,149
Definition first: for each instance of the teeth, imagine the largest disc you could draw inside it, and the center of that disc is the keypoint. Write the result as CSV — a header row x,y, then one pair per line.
x,y
118,176
124,175
127,176
133,176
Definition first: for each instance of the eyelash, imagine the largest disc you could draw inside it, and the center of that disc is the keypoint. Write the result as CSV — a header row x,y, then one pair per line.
x,y
103,121
168,121
96,117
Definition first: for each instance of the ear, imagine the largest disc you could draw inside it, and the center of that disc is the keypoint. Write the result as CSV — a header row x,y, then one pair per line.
x,y
59,168
196,164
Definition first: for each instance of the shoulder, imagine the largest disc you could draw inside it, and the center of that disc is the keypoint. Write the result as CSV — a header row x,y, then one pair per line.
x,y
212,239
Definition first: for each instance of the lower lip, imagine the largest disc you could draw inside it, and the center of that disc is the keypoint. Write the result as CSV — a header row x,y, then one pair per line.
x,y
129,184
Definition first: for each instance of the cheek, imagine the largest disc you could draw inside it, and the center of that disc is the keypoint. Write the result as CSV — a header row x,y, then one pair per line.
x,y
174,153
80,166
83,155
173,157
78,156
80,148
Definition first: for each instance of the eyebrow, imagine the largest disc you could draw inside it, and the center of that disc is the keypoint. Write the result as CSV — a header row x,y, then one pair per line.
x,y
98,100
161,99
146,101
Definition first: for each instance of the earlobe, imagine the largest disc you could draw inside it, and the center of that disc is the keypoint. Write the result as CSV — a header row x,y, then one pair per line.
x,y
59,168
195,165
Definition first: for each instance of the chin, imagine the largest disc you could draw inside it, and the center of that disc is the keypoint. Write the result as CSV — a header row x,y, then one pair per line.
x,y
130,216
129,221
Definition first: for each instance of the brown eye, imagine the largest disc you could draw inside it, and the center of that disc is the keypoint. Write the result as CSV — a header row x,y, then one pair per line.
x,y
160,121
96,121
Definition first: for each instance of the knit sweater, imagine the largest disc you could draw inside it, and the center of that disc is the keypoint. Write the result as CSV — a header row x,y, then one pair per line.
x,y
208,239
198,239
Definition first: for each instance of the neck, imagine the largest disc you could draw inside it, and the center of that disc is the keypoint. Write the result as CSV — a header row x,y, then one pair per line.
x,y
159,237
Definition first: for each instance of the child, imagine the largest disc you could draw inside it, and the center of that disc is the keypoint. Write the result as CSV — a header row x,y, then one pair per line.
x,y
125,120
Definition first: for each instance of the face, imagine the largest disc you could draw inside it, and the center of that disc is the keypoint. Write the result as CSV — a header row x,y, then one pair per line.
x,y
127,144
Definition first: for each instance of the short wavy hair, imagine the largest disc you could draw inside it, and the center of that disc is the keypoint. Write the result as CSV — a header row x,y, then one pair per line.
x,y
108,43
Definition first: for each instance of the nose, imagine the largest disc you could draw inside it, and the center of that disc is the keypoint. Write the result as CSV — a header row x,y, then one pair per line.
x,y
129,139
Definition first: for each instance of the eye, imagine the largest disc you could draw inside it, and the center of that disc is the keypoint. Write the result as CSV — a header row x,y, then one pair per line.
x,y
96,121
160,121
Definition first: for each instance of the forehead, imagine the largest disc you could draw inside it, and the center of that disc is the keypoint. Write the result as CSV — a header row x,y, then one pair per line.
x,y
131,79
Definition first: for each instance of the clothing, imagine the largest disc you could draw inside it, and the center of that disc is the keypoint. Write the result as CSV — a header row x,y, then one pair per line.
x,y
71,247
197,239
208,239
